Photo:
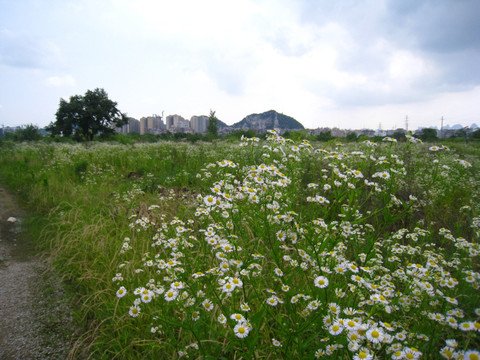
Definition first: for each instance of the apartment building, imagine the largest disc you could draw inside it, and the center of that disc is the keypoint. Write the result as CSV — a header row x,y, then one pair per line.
x,y
151,124
199,124
133,125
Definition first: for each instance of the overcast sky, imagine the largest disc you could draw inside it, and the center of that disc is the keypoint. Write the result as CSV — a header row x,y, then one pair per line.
x,y
345,63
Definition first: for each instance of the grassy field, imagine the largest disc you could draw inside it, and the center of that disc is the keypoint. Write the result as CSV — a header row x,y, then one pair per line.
x,y
261,249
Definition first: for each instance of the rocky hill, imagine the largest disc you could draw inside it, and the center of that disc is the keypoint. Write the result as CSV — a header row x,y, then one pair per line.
x,y
222,125
267,121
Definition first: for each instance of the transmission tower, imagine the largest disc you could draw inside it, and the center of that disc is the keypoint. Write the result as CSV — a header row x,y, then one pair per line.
x,y
441,128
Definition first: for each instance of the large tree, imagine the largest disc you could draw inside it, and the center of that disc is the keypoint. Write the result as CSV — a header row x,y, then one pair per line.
x,y
88,115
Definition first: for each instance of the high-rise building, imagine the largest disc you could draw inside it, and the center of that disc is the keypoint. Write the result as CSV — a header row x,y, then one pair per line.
x,y
199,124
176,123
133,125
151,124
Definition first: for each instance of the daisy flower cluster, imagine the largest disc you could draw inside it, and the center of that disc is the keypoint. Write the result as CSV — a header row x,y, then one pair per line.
x,y
309,253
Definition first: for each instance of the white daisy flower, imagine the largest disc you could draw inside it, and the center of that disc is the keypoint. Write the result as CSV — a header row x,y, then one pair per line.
x,y
274,300
335,329
177,285
375,335
147,297
245,307
241,330
134,311
210,200
207,304
222,319
471,355
276,343
237,317
195,316
171,294
228,287
467,326
121,292
321,282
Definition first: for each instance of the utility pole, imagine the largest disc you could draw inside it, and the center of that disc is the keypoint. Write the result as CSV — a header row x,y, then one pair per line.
x,y
406,124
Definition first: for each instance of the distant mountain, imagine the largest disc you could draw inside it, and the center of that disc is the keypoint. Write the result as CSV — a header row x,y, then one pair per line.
x,y
268,121
221,124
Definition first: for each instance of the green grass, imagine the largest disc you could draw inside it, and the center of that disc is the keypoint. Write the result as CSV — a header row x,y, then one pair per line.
x,y
393,227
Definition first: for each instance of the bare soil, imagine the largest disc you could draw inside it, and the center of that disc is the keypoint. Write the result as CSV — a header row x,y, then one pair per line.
x,y
35,318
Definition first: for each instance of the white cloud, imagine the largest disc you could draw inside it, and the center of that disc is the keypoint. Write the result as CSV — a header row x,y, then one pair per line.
x,y
21,49
404,65
60,81
149,101
265,48
340,62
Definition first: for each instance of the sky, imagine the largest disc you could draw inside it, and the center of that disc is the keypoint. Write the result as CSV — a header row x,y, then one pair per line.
x,y
345,63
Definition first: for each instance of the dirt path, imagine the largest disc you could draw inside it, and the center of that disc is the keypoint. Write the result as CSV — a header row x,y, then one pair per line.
x,y
35,321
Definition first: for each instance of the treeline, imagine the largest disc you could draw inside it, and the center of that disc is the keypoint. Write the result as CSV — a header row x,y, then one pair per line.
x,y
426,135
33,133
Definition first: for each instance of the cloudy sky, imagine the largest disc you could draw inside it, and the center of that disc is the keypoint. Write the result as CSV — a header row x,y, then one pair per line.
x,y
345,63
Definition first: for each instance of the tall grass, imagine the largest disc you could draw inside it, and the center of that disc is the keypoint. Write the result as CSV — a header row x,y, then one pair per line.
x,y
271,249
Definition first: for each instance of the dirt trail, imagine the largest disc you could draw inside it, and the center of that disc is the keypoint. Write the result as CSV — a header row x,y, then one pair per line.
x,y
35,321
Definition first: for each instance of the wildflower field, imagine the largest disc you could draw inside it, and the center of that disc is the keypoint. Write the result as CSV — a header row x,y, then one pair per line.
x,y
263,249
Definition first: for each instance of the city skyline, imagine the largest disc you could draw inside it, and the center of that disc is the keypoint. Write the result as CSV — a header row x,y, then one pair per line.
x,y
152,119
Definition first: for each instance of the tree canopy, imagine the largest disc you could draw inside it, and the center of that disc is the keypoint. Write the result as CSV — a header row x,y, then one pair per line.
x,y
428,134
476,134
325,136
86,116
212,126
28,133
